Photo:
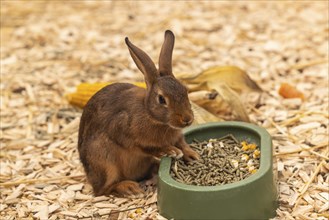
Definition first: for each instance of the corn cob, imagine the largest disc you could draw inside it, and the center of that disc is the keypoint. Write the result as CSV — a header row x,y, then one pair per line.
x,y
86,90
223,80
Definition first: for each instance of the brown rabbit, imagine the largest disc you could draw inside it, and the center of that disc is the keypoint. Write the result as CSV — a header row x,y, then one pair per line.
x,y
124,128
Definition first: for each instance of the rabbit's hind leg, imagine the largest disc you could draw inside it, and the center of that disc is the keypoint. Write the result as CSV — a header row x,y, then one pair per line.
x,y
107,181
152,178
127,188
97,180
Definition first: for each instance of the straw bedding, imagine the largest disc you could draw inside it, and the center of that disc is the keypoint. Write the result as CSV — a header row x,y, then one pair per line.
x,y
47,48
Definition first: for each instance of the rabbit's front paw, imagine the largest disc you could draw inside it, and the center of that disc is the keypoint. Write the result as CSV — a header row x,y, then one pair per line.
x,y
190,154
173,152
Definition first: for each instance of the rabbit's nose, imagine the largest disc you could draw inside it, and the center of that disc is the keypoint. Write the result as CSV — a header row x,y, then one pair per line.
x,y
187,120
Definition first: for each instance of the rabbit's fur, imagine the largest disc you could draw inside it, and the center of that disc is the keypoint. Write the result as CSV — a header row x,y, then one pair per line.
x,y
124,129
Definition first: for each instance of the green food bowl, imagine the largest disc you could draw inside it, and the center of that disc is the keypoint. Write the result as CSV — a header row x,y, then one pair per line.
x,y
252,198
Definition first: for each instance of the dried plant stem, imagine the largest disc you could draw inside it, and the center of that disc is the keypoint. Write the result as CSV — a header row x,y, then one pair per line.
x,y
292,120
317,154
306,186
123,210
41,180
326,215
300,115
324,144
276,125
138,207
308,64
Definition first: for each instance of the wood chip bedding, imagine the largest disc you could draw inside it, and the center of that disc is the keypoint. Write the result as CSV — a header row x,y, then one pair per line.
x,y
48,47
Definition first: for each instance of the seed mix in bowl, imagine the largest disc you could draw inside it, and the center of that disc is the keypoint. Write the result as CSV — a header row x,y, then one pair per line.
x,y
223,160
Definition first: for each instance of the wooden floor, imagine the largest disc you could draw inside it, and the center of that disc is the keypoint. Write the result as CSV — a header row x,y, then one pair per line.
x,y
49,47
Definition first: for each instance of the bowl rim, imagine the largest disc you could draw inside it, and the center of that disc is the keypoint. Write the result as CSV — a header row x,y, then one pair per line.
x,y
265,164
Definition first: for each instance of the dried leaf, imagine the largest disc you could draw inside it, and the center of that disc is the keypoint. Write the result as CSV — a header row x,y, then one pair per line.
x,y
232,76
202,116
232,98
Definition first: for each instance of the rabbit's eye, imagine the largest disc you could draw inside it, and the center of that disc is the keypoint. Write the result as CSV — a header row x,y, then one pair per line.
x,y
162,100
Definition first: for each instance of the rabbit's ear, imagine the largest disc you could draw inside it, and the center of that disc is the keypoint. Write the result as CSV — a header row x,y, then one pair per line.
x,y
143,62
165,59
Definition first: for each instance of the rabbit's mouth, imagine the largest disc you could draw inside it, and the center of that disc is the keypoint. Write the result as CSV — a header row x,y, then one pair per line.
x,y
180,125
176,127
181,120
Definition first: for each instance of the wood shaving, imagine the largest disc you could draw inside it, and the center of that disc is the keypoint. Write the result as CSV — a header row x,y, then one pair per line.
x,y
48,48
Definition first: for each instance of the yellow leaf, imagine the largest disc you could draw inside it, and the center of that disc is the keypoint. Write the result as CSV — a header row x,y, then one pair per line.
x,y
232,76
232,98
202,116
